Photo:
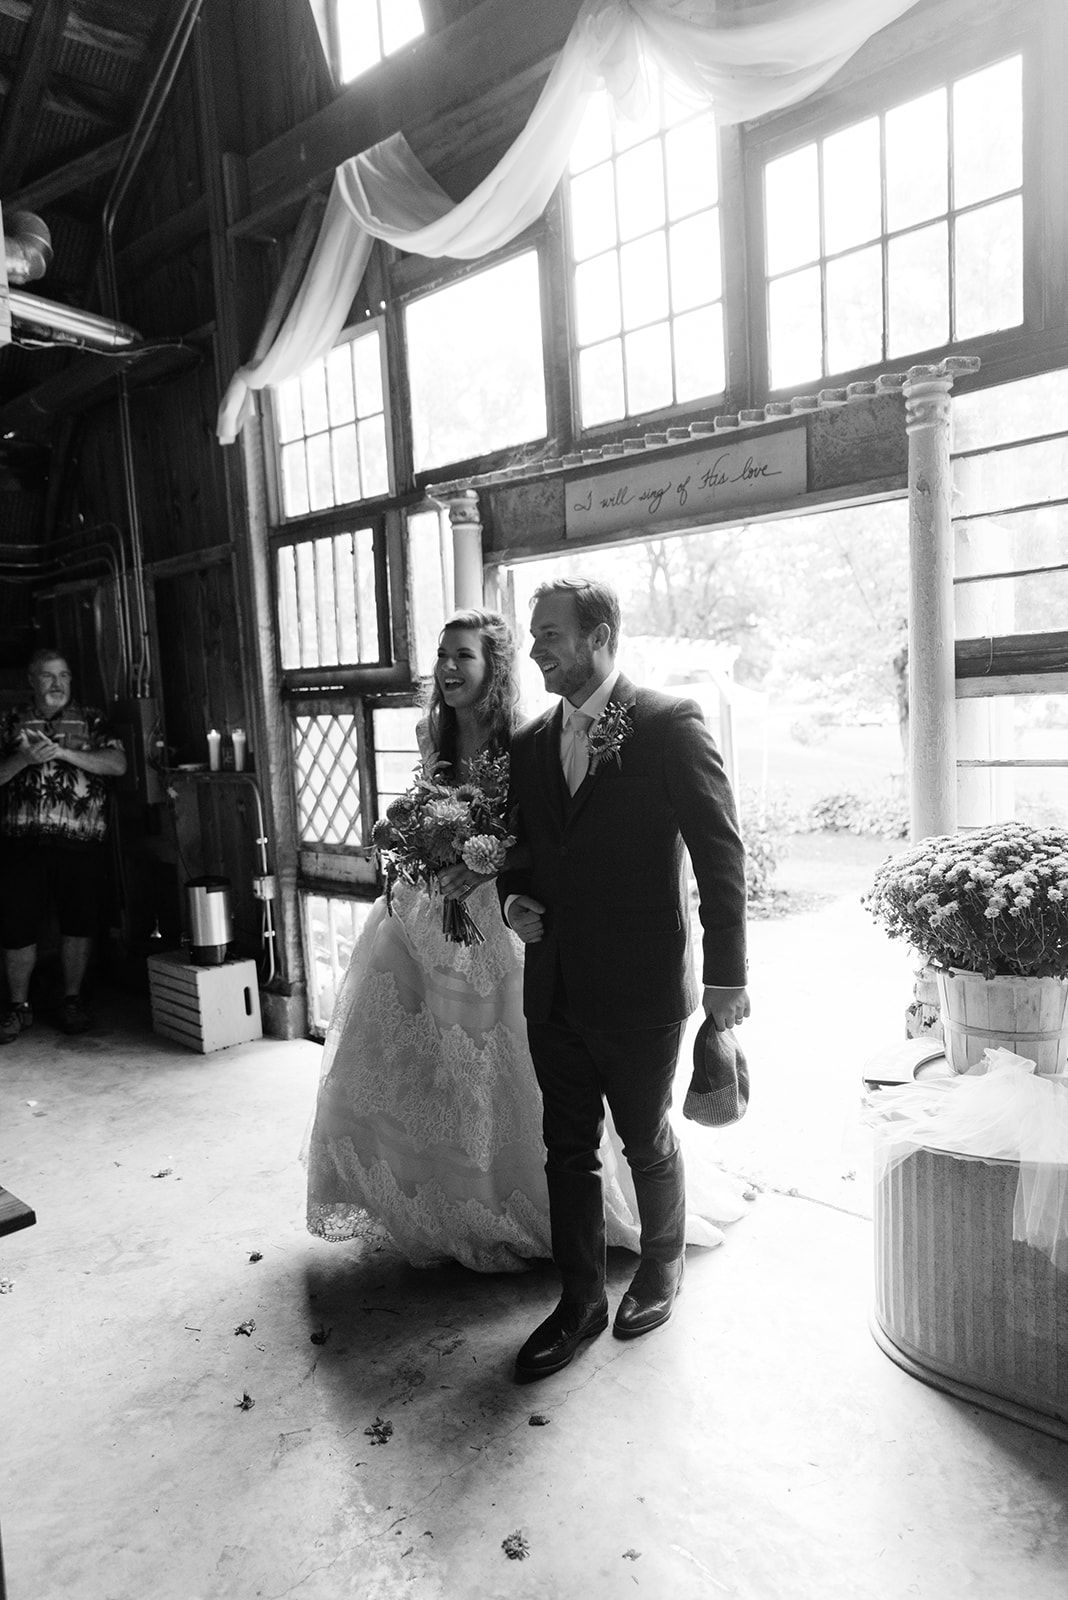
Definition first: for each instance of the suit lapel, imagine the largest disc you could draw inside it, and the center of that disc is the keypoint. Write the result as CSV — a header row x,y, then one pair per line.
x,y
623,694
547,753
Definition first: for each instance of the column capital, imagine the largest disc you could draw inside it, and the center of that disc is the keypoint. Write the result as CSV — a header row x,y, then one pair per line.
x,y
927,391
461,504
927,403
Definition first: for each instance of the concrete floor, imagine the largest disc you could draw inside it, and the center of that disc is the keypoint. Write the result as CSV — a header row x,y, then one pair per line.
x,y
759,1446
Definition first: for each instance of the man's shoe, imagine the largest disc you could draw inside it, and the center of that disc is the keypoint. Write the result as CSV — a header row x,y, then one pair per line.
x,y
74,1016
17,1019
648,1302
554,1343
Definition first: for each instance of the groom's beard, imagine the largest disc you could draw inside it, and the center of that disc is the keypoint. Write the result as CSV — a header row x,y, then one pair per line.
x,y
569,680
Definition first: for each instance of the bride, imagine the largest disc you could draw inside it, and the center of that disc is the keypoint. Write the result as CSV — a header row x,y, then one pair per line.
x,y
427,1128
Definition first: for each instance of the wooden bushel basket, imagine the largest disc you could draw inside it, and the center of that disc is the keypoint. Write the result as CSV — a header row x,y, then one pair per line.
x,y
1028,1016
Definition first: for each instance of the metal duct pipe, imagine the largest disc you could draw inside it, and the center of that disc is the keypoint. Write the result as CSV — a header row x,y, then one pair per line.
x,y
27,246
68,325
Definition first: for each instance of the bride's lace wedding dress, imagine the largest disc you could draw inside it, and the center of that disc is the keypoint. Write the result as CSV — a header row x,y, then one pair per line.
x,y
428,1122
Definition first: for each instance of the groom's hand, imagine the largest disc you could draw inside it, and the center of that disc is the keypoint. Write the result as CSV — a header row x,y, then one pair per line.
x,y
727,1007
524,917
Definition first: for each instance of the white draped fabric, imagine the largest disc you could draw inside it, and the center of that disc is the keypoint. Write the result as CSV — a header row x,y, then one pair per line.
x,y
743,64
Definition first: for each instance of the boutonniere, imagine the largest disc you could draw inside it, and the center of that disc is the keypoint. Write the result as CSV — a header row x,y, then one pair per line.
x,y
608,735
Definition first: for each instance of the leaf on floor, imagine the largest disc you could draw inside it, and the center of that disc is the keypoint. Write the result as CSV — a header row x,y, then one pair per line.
x,y
164,1172
538,1421
245,1403
247,1328
632,1555
515,1546
321,1335
380,1431
256,1255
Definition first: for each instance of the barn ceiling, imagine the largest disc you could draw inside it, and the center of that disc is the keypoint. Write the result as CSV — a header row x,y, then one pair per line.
x,y
73,75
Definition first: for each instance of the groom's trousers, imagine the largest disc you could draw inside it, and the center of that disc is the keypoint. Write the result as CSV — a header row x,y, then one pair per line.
x,y
578,1068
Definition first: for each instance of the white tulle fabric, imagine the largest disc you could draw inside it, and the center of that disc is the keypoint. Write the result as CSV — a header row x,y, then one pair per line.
x,y
743,64
1001,1110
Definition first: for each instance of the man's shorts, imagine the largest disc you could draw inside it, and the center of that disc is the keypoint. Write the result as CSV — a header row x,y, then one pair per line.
x,y
36,875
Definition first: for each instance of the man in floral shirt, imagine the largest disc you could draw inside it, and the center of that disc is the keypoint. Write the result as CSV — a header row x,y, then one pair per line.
x,y
55,760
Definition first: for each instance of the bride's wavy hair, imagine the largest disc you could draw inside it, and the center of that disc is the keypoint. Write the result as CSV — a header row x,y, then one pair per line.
x,y
498,707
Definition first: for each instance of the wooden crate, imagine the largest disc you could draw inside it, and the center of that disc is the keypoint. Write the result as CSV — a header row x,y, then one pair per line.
x,y
206,1008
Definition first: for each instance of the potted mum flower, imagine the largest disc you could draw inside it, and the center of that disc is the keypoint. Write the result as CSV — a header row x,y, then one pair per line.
x,y
988,911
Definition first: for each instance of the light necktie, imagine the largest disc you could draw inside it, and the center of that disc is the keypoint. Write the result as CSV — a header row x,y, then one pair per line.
x,y
577,759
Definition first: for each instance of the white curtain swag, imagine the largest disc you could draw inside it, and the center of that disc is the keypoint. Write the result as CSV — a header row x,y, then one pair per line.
x,y
742,64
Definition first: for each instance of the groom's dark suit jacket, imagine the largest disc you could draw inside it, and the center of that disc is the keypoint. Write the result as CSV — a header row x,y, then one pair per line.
x,y
609,866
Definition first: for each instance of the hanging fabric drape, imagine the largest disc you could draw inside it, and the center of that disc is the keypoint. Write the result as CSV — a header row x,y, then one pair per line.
x,y
742,64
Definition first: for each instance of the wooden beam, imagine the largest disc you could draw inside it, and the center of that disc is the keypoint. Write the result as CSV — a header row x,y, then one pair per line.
x,y
491,45
1010,655
68,179
40,46
169,239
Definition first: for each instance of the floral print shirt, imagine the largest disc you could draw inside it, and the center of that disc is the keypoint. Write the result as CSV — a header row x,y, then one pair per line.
x,y
55,801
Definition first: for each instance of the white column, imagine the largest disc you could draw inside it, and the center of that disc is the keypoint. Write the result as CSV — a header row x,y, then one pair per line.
x,y
932,695
465,515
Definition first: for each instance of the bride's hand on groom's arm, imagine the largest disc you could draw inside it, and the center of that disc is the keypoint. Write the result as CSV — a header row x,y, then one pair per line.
x,y
524,917
727,1007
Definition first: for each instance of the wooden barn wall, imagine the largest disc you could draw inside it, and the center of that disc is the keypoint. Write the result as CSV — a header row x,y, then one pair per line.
x,y
255,70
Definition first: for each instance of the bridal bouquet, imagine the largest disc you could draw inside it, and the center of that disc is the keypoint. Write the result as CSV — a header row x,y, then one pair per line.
x,y
435,824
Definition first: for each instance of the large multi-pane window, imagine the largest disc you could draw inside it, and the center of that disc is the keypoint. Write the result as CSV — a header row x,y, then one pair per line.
x,y
330,424
643,202
898,234
331,598
476,365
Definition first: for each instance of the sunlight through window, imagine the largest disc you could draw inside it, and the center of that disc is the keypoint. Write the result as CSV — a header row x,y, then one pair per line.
x,y
330,427
475,364
900,234
368,30
643,203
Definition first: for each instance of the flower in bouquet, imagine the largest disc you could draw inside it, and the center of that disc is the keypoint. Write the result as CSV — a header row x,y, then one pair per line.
x,y
608,735
435,825
992,900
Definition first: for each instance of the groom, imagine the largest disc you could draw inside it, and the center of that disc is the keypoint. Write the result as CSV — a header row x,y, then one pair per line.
x,y
608,789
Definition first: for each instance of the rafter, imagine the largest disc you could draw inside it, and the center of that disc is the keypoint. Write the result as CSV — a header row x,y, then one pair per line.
x,y
67,179
127,42
37,57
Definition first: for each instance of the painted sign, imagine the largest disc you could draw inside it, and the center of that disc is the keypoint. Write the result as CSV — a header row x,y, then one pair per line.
x,y
654,488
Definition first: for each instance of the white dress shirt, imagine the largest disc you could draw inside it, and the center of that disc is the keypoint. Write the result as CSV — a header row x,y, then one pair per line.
x,y
591,708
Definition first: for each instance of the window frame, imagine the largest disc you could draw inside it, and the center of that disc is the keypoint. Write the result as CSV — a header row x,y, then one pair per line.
x,y
349,675
414,278
874,93
662,415
273,443
325,13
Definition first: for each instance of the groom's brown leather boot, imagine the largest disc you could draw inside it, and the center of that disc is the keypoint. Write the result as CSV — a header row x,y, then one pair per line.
x,y
648,1302
554,1342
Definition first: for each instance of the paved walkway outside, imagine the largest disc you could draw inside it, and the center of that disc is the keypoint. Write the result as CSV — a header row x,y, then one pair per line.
x,y
828,990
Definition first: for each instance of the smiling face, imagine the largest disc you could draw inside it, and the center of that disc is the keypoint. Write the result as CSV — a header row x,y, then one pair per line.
x,y
50,682
461,670
572,663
